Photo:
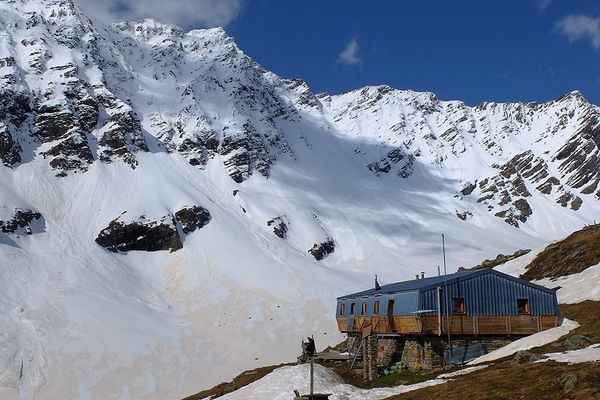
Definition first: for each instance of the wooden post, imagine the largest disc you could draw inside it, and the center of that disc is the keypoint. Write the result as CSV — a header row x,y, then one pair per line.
x,y
365,360
312,376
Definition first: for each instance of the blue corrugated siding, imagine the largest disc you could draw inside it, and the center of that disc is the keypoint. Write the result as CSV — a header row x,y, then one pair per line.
x,y
493,295
405,303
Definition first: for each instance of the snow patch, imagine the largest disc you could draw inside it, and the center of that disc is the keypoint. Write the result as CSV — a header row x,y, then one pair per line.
x,y
589,354
529,342
280,385
576,288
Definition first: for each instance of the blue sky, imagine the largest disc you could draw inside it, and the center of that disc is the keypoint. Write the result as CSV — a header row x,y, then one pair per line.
x,y
510,50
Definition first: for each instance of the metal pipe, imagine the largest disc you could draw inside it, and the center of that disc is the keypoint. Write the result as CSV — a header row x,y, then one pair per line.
x,y
439,309
446,296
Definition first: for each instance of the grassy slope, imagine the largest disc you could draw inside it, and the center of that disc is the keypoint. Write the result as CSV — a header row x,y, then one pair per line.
x,y
524,382
574,254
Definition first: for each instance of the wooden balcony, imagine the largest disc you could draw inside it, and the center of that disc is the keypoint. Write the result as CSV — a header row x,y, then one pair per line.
x,y
459,325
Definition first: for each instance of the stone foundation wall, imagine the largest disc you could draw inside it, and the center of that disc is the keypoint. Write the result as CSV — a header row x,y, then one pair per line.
x,y
370,352
427,352
416,352
388,350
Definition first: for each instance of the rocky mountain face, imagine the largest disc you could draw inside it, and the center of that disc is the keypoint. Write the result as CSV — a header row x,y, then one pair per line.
x,y
75,94
550,148
197,201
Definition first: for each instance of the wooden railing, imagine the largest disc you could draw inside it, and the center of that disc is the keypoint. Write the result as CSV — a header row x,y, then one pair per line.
x,y
459,324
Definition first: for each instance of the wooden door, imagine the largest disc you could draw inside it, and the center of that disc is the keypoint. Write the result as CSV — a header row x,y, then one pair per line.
x,y
390,315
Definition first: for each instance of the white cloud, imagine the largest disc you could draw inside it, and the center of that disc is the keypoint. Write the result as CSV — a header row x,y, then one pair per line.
x,y
349,55
543,4
185,13
576,27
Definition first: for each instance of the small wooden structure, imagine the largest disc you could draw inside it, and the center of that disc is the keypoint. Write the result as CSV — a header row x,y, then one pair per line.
x,y
312,395
308,353
479,302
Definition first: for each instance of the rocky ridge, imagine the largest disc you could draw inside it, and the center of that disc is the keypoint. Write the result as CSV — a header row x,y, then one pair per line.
x,y
101,96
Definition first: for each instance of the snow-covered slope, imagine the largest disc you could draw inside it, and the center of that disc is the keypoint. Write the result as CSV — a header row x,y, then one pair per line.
x,y
171,213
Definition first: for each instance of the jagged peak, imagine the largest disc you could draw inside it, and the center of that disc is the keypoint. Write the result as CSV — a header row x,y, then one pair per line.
x,y
151,30
49,8
217,33
574,95
377,93
148,29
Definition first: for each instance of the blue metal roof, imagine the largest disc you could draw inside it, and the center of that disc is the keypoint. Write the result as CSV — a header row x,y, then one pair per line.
x,y
433,282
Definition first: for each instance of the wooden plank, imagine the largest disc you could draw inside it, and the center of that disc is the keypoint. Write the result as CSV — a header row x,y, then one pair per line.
x,y
549,322
331,356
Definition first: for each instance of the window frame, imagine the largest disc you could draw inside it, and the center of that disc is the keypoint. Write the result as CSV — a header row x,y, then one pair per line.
x,y
342,309
376,307
352,308
363,308
458,310
526,308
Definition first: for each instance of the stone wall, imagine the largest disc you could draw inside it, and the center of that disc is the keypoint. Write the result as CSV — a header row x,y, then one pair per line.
x,y
416,352
370,353
427,352
388,351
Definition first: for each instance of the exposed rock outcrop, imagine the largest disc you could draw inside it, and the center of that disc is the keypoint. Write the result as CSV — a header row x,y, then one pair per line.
x,y
140,234
464,215
320,250
22,220
279,226
500,259
192,218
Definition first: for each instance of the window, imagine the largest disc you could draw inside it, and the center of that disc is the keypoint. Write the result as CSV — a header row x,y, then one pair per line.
x,y
342,309
376,307
458,305
363,308
523,306
352,308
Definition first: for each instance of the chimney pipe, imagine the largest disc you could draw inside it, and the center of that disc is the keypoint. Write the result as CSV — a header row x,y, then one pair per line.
x,y
417,276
